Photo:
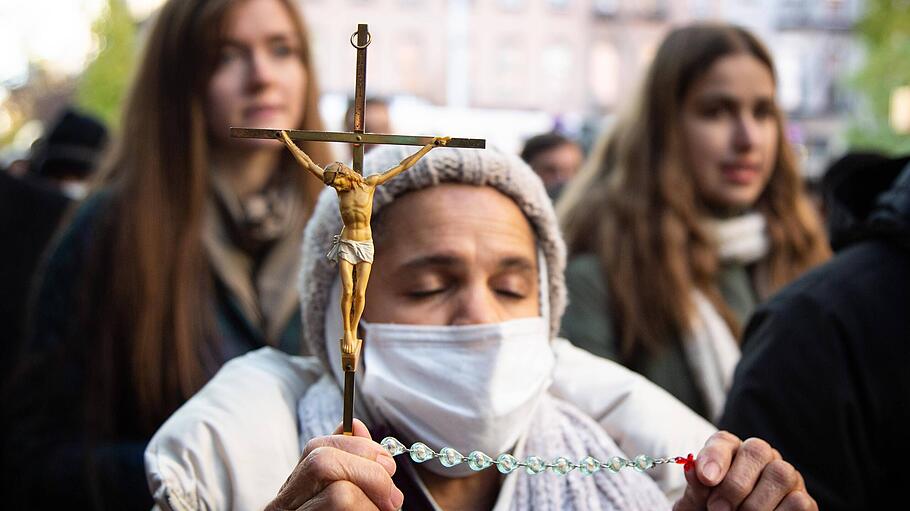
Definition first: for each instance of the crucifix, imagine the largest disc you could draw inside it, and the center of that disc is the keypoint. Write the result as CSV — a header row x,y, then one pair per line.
x,y
352,249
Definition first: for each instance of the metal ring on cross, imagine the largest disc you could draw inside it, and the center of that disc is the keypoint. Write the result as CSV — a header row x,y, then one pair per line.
x,y
369,40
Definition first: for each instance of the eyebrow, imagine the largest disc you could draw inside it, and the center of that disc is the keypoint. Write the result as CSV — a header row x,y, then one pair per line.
x,y
519,263
421,262
271,38
727,99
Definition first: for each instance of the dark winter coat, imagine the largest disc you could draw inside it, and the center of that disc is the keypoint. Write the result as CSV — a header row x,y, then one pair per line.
x,y
29,214
48,461
825,373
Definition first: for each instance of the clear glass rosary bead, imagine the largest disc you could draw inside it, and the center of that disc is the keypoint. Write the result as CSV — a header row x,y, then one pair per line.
x,y
506,463
643,462
393,446
615,464
589,465
562,466
535,465
450,457
420,452
479,461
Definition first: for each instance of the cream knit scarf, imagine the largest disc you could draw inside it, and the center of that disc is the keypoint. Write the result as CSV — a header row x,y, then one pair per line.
x,y
710,347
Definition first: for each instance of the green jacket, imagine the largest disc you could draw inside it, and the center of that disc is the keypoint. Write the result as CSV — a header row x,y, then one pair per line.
x,y
589,325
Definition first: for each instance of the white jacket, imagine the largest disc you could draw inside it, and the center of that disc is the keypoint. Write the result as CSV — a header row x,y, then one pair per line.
x,y
235,443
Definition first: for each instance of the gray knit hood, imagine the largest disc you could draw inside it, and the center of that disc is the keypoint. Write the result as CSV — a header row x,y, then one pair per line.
x,y
486,167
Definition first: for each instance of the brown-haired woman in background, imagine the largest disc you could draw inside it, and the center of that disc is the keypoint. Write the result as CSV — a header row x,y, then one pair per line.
x,y
185,256
691,212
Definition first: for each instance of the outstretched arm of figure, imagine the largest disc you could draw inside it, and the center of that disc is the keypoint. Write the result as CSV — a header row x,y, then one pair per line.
x,y
378,179
301,156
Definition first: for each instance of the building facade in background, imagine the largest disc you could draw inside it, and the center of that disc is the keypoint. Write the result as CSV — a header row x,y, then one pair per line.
x,y
581,59
509,69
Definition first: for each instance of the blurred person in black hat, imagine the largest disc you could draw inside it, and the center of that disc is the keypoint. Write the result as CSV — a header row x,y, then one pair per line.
x,y
66,157
555,158
825,361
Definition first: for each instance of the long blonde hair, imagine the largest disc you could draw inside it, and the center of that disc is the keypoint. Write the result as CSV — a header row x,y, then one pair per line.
x,y
635,204
149,283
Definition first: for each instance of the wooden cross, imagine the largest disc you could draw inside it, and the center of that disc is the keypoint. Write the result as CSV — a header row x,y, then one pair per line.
x,y
357,137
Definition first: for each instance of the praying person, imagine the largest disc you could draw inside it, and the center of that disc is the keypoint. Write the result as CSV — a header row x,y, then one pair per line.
x,y
460,351
691,212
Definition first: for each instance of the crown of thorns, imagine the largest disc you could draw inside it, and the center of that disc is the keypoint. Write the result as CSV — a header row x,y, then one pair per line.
x,y
328,176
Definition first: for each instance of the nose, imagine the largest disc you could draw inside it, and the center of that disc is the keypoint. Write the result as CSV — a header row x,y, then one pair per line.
x,y
745,134
261,69
476,305
565,173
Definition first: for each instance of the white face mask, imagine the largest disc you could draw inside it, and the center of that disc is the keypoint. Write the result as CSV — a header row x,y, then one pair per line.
x,y
467,387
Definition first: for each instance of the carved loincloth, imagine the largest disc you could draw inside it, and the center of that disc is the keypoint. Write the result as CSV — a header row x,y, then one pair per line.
x,y
351,251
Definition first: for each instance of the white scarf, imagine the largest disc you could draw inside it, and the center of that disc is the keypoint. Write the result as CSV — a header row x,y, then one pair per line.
x,y
558,429
710,347
742,239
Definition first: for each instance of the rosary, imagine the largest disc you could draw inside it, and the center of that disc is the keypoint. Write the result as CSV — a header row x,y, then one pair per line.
x,y
506,463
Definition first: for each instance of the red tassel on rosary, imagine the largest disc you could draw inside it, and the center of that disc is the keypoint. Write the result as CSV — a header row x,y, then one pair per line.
x,y
688,462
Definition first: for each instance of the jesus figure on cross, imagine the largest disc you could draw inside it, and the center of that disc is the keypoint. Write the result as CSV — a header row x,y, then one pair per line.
x,y
353,247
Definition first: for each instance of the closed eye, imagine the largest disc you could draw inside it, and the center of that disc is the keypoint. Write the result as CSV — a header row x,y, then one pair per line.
x,y
516,282
508,293
425,293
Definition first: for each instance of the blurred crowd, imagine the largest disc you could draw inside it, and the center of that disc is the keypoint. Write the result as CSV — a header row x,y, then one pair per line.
x,y
684,248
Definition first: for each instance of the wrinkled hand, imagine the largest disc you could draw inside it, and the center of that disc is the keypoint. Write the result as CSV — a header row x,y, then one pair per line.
x,y
441,141
341,472
731,474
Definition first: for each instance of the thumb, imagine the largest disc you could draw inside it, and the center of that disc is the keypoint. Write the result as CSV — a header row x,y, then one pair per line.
x,y
358,427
